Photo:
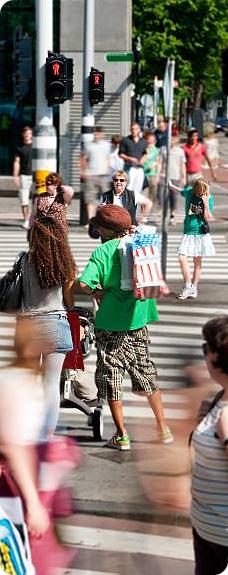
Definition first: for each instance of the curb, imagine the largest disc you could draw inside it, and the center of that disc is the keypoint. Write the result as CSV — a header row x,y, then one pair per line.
x,y
135,512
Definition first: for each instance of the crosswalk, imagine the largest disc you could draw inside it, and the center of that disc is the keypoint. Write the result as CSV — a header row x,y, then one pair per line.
x,y
175,341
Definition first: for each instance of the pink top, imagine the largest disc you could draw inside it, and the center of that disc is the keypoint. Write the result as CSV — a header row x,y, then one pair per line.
x,y
194,157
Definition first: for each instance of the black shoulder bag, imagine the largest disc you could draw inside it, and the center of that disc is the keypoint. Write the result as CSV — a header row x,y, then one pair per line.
x,y
11,287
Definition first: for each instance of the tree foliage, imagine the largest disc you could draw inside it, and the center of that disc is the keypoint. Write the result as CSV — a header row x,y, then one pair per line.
x,y
192,32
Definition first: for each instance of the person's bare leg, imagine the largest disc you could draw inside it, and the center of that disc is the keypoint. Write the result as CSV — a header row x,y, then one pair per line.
x,y
25,212
91,210
116,407
197,270
155,401
185,269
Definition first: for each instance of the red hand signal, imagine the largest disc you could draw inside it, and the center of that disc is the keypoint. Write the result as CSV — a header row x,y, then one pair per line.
x,y
56,68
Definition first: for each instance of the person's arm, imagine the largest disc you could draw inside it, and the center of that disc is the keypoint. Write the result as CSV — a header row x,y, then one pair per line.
x,y
68,193
84,166
207,214
183,171
22,461
144,205
222,428
16,171
210,166
33,214
130,159
68,294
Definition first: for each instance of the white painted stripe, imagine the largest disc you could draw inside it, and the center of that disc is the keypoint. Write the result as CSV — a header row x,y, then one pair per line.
x,y
131,411
163,308
166,398
179,329
82,572
110,540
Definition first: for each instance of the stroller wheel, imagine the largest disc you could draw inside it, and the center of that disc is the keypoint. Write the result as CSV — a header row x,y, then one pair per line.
x,y
98,424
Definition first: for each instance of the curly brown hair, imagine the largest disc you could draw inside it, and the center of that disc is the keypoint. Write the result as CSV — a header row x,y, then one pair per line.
x,y
50,253
54,178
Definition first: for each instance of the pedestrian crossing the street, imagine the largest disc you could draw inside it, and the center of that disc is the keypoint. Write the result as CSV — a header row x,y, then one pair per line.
x,y
175,341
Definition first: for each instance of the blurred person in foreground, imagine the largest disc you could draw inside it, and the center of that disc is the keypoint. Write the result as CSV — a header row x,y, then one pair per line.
x,y
53,202
121,332
48,276
169,484
32,470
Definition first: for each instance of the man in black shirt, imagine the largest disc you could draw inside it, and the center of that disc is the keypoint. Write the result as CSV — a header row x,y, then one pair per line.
x,y
22,172
132,148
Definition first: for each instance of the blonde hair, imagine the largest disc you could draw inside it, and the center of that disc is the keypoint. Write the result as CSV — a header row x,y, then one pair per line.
x,y
201,187
120,173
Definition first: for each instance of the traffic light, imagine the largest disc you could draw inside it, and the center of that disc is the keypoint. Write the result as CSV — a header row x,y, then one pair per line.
x,y
59,79
225,72
96,86
22,65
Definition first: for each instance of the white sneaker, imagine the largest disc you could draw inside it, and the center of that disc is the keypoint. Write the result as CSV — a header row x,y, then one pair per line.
x,y
186,293
25,225
194,292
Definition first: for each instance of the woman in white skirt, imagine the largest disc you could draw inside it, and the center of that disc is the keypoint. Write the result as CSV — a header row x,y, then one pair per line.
x,y
196,242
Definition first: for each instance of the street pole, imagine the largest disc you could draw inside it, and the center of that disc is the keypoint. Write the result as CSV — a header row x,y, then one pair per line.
x,y
155,101
138,48
44,136
166,190
87,127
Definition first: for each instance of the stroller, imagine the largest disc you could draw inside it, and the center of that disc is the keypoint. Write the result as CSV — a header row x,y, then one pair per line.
x,y
75,388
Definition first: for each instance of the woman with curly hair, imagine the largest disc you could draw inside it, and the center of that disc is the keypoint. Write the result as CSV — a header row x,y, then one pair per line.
x,y
48,278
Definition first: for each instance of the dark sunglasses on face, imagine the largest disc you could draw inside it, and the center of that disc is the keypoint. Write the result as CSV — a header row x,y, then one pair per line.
x,y
205,348
119,180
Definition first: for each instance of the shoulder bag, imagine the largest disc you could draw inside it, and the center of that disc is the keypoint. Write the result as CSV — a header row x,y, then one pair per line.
x,y
11,287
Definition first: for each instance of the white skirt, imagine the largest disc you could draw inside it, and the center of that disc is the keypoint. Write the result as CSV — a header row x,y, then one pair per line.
x,y
200,245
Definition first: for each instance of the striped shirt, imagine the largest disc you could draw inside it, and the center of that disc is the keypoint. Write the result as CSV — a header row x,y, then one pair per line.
x,y
209,512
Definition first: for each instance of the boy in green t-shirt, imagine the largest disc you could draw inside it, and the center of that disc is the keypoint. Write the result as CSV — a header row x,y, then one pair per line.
x,y
121,333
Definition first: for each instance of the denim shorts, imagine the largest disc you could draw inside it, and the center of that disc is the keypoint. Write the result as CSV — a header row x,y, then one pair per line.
x,y
55,327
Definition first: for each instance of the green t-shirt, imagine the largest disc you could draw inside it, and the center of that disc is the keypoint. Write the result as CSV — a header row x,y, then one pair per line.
x,y
193,223
119,310
153,153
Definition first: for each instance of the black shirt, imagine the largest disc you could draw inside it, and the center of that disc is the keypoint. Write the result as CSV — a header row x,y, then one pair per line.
x,y
161,138
24,152
131,148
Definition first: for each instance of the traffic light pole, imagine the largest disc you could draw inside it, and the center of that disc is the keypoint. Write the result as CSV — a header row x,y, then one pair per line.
x,y
87,110
44,140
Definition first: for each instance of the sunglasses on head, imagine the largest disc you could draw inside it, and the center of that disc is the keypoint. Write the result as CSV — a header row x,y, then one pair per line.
x,y
119,180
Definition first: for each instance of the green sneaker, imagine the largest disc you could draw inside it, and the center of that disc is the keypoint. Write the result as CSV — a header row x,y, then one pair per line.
x,y
121,442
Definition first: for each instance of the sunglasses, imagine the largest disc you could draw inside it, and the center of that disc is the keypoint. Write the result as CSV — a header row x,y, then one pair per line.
x,y
205,348
119,180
